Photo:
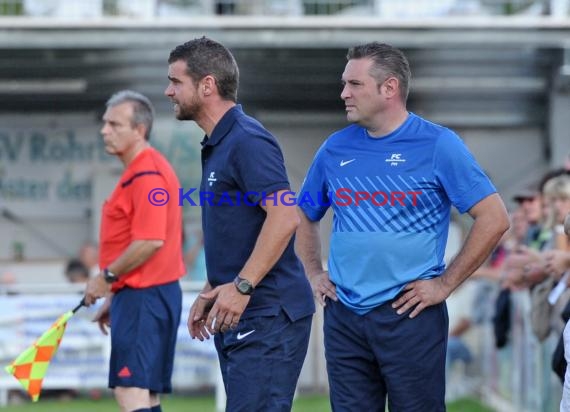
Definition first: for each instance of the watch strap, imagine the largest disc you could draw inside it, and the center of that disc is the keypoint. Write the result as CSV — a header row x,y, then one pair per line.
x,y
109,276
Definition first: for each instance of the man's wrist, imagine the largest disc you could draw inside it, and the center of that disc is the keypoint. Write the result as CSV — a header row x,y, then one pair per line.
x,y
447,286
532,273
243,286
313,273
207,288
109,276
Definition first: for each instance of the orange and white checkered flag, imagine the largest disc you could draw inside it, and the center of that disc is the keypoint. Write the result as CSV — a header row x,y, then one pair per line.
x,y
30,366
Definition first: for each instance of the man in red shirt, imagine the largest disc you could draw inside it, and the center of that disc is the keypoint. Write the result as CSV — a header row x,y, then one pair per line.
x,y
140,259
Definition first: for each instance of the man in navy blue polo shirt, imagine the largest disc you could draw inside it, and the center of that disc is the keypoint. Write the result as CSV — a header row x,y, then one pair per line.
x,y
256,301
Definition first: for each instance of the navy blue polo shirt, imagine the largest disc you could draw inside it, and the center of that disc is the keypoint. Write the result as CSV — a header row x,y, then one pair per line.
x,y
241,163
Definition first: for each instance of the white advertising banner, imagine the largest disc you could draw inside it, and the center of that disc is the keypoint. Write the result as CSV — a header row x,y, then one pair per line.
x,y
81,361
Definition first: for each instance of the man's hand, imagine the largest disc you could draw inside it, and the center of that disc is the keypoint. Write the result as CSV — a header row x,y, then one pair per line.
x,y
322,287
515,279
96,288
227,309
557,262
103,315
197,318
521,257
421,294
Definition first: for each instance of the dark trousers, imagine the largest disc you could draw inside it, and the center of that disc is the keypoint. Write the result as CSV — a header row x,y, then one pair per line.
x,y
382,354
261,361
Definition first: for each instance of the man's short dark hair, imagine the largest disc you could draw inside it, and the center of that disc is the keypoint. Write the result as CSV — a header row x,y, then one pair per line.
x,y
75,268
204,57
143,112
388,61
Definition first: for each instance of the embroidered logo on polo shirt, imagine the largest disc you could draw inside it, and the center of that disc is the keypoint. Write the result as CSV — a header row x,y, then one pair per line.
x,y
212,178
124,373
395,158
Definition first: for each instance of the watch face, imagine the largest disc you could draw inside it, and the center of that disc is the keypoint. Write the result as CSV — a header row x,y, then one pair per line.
x,y
244,286
109,277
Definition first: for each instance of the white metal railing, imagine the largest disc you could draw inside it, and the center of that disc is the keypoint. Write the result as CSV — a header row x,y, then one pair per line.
x,y
150,9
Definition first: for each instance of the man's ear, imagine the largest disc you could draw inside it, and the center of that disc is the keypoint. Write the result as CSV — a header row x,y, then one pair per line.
x,y
391,87
141,129
208,85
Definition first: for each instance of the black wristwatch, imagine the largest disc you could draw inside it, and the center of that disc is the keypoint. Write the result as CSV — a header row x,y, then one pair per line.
x,y
243,286
110,277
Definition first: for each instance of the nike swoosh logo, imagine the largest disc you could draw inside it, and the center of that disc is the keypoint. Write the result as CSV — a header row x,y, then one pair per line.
x,y
240,335
345,162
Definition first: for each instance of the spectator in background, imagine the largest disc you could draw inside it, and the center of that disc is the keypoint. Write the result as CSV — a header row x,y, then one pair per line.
x,y
526,268
557,191
529,201
471,304
76,271
7,280
520,271
559,263
528,237
498,309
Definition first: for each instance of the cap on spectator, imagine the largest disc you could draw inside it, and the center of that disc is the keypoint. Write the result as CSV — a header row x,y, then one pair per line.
x,y
528,192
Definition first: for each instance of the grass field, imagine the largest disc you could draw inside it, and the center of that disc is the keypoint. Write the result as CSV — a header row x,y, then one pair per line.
x,y
201,404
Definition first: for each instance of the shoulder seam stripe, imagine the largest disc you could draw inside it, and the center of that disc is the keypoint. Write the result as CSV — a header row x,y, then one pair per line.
x,y
139,174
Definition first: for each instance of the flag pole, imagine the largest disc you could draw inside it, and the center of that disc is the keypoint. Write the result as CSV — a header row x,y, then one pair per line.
x,y
82,303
